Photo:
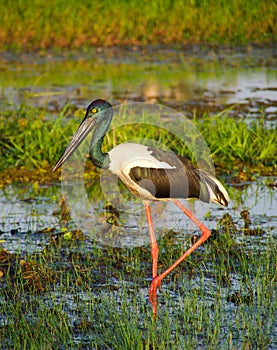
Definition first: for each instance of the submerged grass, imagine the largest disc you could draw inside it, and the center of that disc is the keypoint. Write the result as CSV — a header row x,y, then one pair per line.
x,y
32,141
223,296
89,23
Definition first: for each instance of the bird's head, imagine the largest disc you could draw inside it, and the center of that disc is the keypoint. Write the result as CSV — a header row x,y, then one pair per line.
x,y
95,107
98,118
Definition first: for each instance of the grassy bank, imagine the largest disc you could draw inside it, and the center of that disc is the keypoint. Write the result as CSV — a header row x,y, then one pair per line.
x,y
27,25
32,141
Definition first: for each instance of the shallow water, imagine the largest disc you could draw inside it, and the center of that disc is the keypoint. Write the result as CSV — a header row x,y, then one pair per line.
x,y
25,213
190,80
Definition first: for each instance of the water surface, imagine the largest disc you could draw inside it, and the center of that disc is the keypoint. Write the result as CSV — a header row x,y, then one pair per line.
x,y
190,80
26,213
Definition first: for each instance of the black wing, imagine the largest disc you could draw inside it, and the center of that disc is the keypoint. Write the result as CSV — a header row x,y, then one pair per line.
x,y
181,181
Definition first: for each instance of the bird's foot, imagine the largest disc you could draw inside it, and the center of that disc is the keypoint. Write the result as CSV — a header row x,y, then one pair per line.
x,y
156,283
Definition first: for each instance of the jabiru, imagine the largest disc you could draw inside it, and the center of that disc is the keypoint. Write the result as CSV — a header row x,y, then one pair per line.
x,y
151,174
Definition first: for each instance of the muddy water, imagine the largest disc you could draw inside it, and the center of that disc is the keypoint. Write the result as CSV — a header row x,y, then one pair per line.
x,y
190,80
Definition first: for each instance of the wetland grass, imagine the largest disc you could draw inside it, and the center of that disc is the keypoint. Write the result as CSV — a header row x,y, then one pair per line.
x,y
139,22
223,296
236,140
32,140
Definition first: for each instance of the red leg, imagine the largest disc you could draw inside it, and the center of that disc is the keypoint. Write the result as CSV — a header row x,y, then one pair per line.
x,y
205,235
154,253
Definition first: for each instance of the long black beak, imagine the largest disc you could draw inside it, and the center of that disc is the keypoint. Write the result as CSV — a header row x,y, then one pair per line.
x,y
83,130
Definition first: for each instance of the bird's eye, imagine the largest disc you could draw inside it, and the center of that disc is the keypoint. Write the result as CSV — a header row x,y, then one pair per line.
x,y
94,110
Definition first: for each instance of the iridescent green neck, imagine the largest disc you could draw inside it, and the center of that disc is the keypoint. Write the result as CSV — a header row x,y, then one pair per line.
x,y
99,158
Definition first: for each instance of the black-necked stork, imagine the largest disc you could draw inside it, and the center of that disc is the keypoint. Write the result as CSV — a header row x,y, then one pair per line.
x,y
151,174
